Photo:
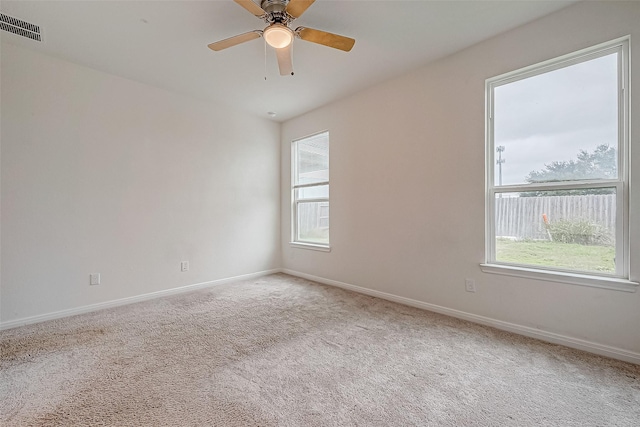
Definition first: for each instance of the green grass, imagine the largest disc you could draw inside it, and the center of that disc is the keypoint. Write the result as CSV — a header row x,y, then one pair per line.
x,y
570,256
315,236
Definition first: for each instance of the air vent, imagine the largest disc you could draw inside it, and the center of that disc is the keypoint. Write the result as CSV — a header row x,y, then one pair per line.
x,y
19,27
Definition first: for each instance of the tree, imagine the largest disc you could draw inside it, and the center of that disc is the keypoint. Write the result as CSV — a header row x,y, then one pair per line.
x,y
602,163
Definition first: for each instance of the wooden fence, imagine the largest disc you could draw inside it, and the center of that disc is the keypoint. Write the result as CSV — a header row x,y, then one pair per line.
x,y
313,219
521,217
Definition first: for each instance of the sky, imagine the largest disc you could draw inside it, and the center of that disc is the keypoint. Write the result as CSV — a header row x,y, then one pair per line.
x,y
552,116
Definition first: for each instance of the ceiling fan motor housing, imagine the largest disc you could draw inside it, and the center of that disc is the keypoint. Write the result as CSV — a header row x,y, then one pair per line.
x,y
274,5
276,12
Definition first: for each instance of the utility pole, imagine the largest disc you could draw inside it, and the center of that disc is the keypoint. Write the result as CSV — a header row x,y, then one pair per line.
x,y
499,162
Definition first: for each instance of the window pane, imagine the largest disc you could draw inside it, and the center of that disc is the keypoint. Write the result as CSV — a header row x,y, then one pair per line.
x,y
317,192
312,159
313,222
558,126
565,229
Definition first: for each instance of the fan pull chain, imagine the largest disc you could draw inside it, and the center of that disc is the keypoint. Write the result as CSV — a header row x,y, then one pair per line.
x,y
292,45
265,60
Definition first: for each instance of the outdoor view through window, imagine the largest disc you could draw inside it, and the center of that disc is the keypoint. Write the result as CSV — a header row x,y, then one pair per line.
x,y
555,143
311,189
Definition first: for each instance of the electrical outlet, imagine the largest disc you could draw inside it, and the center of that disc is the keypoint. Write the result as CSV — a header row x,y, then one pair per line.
x,y
470,285
94,279
184,266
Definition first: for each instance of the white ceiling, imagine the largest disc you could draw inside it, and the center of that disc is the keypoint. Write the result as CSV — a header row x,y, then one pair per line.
x,y
164,43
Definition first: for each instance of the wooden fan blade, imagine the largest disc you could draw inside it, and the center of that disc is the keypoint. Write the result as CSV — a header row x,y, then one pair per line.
x,y
232,41
251,7
285,62
296,8
328,39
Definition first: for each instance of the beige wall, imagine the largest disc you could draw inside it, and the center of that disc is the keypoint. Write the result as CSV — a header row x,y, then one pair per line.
x,y
407,186
104,175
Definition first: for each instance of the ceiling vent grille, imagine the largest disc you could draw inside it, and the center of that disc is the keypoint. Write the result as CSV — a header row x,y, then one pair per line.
x,y
19,27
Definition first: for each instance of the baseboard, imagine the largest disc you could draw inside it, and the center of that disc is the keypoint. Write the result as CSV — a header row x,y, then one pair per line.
x,y
591,347
130,300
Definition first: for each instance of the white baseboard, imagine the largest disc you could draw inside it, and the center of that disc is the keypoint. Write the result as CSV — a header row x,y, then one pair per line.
x,y
591,347
130,300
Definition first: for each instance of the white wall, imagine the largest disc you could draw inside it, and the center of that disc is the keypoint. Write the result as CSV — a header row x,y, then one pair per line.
x,y
407,185
102,174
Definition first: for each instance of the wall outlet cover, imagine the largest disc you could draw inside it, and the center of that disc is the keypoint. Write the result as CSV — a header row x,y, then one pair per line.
x,y
94,279
470,285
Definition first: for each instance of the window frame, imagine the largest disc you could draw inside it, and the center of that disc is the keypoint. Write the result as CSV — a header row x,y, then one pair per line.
x,y
620,279
295,201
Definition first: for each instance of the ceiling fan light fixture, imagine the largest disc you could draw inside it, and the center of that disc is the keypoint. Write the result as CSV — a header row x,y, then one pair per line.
x,y
278,36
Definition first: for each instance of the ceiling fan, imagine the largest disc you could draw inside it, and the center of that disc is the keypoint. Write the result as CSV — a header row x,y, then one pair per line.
x,y
278,14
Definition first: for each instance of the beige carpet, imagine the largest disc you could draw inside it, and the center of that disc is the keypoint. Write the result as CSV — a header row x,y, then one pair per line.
x,y
282,351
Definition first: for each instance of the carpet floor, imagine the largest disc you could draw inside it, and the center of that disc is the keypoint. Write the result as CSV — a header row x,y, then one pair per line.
x,y
283,351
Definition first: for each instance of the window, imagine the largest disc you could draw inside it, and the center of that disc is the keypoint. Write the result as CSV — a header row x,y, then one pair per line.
x,y
557,169
310,191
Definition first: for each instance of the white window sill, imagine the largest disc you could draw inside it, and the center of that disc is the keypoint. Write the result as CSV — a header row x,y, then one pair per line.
x,y
312,246
561,277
